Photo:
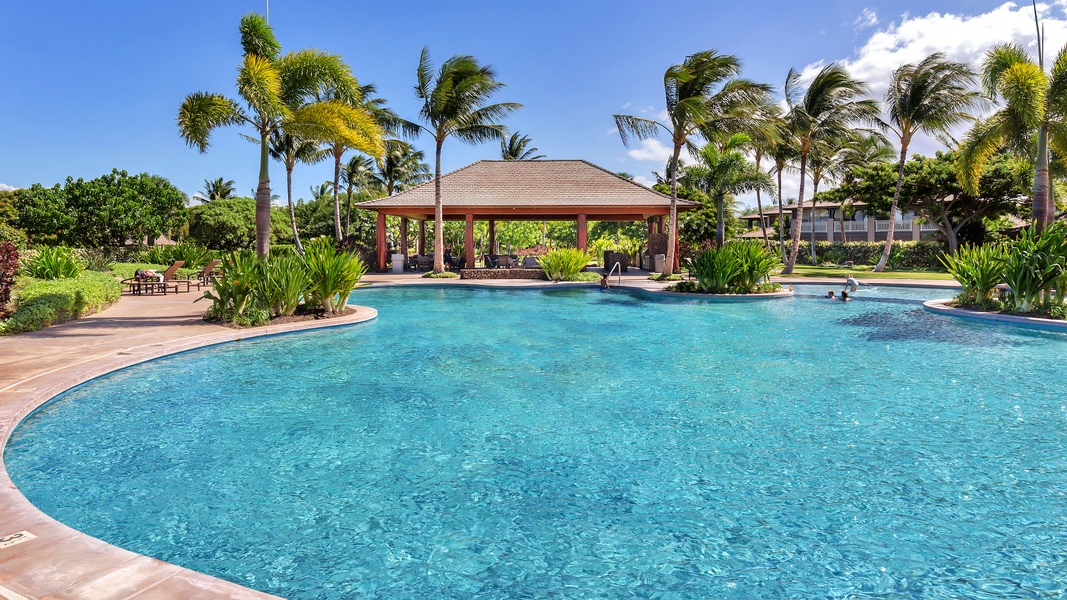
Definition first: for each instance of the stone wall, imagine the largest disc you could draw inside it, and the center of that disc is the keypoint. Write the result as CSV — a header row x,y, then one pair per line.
x,y
657,244
502,274
611,257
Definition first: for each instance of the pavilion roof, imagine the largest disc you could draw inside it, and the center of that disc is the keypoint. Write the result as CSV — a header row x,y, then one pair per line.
x,y
563,185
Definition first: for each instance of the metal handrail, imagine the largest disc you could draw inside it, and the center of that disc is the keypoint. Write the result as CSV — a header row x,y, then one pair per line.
x,y
617,264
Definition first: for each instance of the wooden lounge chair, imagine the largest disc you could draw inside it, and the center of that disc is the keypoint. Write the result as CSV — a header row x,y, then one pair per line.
x,y
141,285
205,276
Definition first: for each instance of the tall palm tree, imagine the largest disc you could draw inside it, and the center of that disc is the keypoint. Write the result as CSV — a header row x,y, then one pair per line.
x,y
360,101
289,150
724,172
324,189
1034,108
830,106
700,92
768,122
517,147
862,150
454,103
400,168
355,175
218,189
784,154
270,84
933,97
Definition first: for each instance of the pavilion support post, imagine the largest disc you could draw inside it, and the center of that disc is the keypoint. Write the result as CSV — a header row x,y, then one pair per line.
x,y
468,241
381,241
583,233
404,236
421,249
492,237
659,224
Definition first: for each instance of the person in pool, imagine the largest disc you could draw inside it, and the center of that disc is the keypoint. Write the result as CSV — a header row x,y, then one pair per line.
x,y
604,283
851,283
831,295
844,296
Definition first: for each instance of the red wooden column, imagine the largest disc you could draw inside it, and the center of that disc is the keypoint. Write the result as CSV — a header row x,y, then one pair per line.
x,y
468,241
381,241
404,237
583,233
492,237
421,249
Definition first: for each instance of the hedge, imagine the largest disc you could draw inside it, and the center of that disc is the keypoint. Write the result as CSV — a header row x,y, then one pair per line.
x,y
905,255
40,303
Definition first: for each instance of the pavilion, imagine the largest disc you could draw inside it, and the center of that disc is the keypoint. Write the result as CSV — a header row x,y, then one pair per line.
x,y
524,190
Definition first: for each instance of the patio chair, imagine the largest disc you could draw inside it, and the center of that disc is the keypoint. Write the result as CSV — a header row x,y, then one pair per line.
x,y
139,284
205,276
505,262
489,261
530,262
423,262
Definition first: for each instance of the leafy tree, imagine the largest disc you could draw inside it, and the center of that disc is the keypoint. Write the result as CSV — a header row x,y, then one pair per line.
x,y
356,177
111,210
229,224
931,189
289,150
703,94
400,167
454,104
517,147
217,189
826,111
933,97
271,85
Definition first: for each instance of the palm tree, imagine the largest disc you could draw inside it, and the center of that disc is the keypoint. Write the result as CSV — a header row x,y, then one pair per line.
x,y
860,151
700,93
1035,107
933,97
454,104
218,189
270,84
324,189
289,150
400,168
356,174
515,148
768,123
784,154
724,172
827,110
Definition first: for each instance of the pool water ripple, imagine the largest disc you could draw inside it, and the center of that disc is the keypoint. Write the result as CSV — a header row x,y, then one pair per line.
x,y
501,443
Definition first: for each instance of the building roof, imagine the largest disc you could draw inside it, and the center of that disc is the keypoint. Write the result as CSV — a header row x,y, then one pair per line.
x,y
562,187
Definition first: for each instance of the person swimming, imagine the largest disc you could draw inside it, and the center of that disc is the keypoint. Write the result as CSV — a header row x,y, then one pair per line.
x,y
851,283
604,286
831,295
844,296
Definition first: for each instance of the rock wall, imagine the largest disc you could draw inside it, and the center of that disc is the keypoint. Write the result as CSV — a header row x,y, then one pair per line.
x,y
502,274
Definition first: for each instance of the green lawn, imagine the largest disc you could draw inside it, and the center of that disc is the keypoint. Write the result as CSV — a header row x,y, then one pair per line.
x,y
860,271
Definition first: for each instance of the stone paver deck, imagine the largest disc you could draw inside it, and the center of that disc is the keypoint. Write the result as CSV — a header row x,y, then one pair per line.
x,y
60,562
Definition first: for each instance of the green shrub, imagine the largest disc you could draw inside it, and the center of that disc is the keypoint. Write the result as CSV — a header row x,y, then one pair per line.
x,y
195,256
95,260
441,275
284,283
55,262
979,270
683,287
333,274
734,268
45,302
1033,264
9,268
564,264
909,255
234,289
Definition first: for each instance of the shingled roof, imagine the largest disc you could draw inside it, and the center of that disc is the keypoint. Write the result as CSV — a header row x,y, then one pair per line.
x,y
520,184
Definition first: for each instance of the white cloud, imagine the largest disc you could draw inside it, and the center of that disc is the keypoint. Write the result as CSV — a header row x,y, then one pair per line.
x,y
645,181
867,18
5,187
657,152
613,131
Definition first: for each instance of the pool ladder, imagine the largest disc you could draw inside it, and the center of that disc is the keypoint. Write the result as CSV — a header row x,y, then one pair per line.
x,y
619,265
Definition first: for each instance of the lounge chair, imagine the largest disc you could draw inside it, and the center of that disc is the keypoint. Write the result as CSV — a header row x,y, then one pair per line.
x,y
490,261
141,285
205,276
505,262
530,262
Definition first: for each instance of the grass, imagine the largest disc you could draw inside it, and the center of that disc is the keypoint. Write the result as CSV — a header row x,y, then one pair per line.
x,y
865,270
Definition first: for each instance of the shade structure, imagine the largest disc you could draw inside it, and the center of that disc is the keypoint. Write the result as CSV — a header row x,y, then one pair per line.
x,y
527,190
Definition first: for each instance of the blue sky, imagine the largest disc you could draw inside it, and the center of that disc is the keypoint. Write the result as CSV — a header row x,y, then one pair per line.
x,y
92,86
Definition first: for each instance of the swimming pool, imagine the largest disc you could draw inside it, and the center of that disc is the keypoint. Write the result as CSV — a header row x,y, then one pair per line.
x,y
495,443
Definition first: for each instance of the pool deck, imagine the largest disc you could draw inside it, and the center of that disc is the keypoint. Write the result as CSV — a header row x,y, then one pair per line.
x,y
60,562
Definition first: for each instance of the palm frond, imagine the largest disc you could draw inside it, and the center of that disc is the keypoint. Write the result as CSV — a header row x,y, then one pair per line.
x,y
257,37
642,129
202,112
260,84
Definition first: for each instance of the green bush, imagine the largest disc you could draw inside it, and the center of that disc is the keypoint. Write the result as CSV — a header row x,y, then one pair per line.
x,y
234,290
284,283
195,256
979,270
734,268
95,260
55,262
564,264
9,268
45,302
1033,264
441,275
333,274
909,255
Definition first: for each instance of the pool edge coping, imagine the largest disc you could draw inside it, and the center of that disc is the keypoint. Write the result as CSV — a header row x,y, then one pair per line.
x,y
19,514
941,307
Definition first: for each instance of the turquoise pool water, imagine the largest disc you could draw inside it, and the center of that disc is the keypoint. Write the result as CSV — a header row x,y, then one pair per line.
x,y
568,443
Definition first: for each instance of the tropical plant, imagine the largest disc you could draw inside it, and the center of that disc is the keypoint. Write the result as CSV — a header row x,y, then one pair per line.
x,y
454,104
517,147
722,172
284,283
194,256
757,262
356,175
564,264
827,110
400,168
233,291
55,262
932,97
289,149
1032,121
737,268
978,269
703,94
270,85
216,189
333,274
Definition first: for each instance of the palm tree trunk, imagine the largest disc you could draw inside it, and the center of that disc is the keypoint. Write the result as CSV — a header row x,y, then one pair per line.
x,y
1042,212
781,219
791,259
814,192
893,209
720,223
292,210
438,216
672,237
348,212
762,223
336,195
263,198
